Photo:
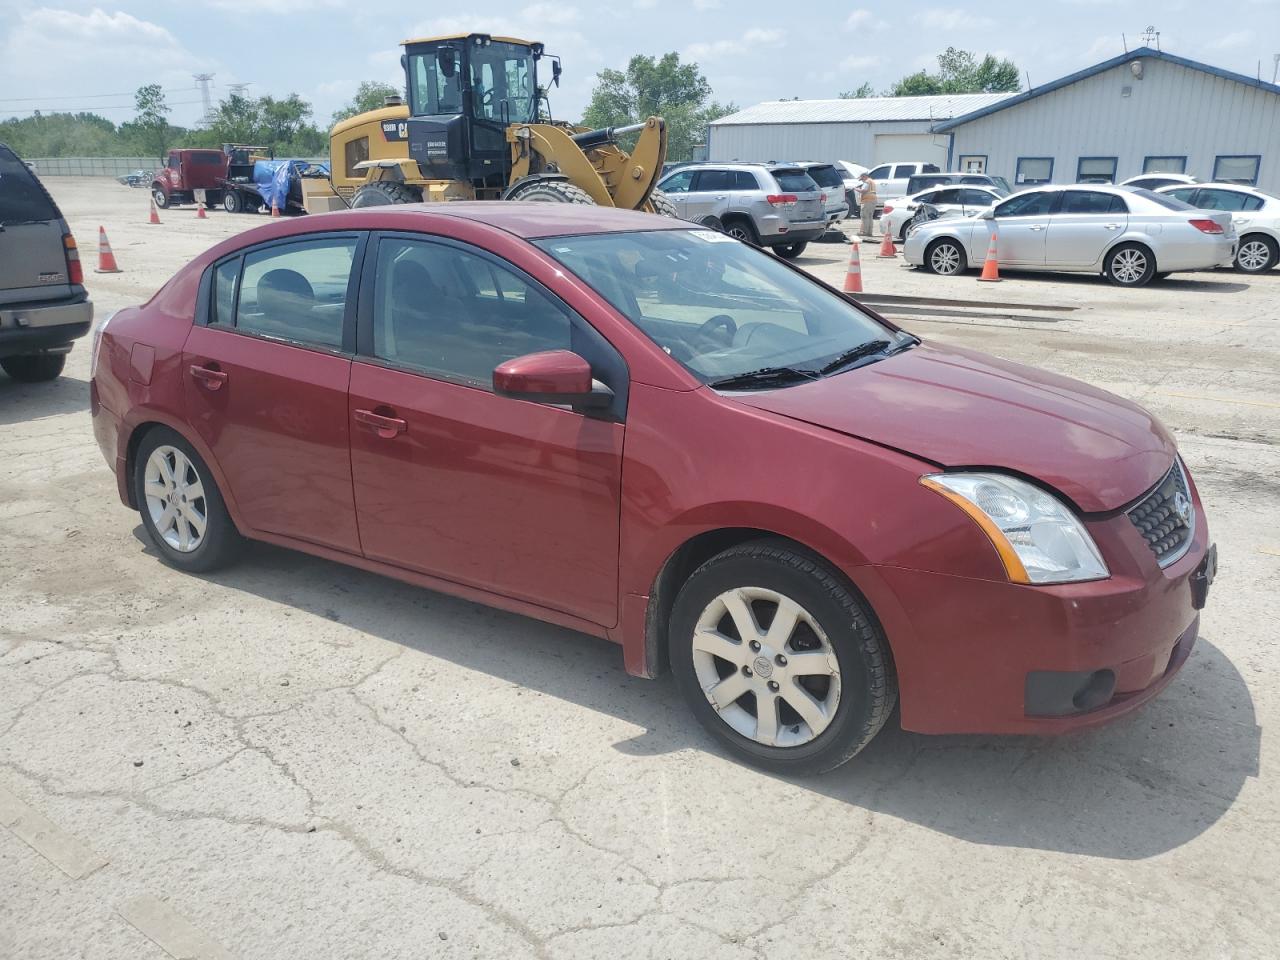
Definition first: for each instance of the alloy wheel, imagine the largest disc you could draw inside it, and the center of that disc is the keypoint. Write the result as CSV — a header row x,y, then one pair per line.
x,y
175,498
1254,255
766,666
945,259
739,232
1128,266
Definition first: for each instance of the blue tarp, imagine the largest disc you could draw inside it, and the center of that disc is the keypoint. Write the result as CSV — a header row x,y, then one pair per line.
x,y
271,178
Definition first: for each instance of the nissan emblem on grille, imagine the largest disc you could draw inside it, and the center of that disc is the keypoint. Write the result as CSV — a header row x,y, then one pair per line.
x,y
1166,517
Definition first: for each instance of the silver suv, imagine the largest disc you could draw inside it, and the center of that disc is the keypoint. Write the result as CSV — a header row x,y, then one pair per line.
x,y
773,205
829,181
43,304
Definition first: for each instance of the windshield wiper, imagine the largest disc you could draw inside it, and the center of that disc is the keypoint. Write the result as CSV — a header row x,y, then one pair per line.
x,y
864,350
764,377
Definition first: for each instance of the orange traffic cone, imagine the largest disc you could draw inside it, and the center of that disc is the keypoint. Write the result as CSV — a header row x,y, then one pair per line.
x,y
853,275
155,214
275,211
991,267
887,249
200,214
106,259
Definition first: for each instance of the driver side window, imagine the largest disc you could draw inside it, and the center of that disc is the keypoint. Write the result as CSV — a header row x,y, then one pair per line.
x,y
677,182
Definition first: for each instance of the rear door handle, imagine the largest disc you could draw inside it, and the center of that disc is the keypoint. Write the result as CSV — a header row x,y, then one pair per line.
x,y
1111,226
384,426
210,376
1037,227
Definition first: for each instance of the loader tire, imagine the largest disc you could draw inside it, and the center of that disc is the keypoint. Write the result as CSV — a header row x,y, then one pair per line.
x,y
383,193
551,191
662,205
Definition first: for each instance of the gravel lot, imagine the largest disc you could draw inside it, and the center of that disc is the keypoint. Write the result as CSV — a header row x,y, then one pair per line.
x,y
297,759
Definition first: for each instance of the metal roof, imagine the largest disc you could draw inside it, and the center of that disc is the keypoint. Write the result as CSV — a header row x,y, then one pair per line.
x,y
982,110
863,110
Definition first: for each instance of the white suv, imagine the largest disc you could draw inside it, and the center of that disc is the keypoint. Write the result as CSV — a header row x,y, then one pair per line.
x,y
891,178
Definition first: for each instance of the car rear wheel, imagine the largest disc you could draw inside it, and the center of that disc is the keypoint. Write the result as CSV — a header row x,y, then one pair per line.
x,y
35,367
182,509
945,257
779,660
161,198
1130,265
232,202
1256,254
740,229
789,251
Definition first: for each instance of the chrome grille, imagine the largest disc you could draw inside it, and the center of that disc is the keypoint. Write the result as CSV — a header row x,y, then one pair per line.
x,y
1166,517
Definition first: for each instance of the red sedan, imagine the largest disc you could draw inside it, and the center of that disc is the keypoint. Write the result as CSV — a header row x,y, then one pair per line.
x,y
653,433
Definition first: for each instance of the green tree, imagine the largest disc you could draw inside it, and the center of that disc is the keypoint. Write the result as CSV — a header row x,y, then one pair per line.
x,y
864,91
960,71
150,127
370,95
651,86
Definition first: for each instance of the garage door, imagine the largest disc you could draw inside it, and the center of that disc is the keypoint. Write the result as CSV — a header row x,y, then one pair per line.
x,y
926,147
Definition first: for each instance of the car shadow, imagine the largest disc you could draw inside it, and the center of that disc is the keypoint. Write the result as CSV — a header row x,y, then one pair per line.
x,y
22,402
1139,787
1178,281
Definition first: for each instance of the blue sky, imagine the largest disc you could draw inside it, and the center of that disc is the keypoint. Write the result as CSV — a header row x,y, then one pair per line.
x,y
85,55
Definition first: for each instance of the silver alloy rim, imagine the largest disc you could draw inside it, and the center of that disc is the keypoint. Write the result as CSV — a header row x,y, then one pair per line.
x,y
739,233
945,259
1128,266
778,685
175,498
1254,255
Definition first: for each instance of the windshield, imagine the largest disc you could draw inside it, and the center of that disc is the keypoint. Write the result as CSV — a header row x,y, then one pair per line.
x,y
435,82
502,86
719,307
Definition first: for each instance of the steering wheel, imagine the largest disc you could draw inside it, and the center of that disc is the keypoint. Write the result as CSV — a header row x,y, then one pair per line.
x,y
721,321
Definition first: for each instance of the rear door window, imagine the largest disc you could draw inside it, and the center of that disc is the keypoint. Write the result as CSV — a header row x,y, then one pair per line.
x,y
1037,203
1087,201
297,291
880,173
22,198
1185,194
744,180
1214,199
906,170
711,180
976,198
946,196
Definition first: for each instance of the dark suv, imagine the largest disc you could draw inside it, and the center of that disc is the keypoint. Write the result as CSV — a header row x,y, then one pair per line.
x,y
43,304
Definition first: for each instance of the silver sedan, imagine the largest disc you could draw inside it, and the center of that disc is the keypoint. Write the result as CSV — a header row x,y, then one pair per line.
x,y
1128,235
1256,216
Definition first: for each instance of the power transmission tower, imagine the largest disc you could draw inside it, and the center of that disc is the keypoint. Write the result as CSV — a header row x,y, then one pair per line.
x,y
203,80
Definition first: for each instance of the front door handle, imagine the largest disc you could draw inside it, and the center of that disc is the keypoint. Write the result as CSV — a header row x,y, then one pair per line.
x,y
1111,226
209,376
1037,228
384,426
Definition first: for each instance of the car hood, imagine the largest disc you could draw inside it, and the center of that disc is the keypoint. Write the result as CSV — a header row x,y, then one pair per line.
x,y
960,408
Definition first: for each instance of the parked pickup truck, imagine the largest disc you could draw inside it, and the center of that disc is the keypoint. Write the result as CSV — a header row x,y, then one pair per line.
x,y
43,304
186,171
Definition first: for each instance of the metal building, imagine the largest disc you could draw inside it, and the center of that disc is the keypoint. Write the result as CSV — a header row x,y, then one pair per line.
x,y
867,131
1141,112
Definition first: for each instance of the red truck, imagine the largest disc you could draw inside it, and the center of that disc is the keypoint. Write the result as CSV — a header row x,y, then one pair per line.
x,y
186,171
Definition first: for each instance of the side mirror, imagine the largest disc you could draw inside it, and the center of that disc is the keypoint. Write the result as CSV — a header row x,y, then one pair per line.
x,y
987,214
552,376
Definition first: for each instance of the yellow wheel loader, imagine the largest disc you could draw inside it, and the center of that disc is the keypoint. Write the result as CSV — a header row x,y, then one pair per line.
x,y
474,129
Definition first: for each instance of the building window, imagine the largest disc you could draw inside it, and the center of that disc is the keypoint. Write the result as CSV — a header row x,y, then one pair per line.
x,y
1096,170
1240,169
973,163
1033,170
1164,165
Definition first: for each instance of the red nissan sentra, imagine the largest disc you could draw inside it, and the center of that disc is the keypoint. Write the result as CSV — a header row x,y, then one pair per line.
x,y
653,433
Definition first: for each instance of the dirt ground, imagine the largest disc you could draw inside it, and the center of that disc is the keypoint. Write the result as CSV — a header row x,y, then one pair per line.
x,y
294,759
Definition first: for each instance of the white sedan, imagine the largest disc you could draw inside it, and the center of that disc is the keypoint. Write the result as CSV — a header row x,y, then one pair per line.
x,y
1256,216
1154,181
949,201
1128,235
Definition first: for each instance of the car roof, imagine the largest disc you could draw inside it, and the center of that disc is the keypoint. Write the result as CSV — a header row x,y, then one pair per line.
x,y
1241,187
525,219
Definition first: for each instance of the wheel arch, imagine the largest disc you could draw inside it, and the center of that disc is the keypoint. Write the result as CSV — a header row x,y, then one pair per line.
x,y
152,420
1131,239
696,550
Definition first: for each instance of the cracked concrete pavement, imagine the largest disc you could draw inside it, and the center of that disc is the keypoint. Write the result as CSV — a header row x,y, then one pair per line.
x,y
298,759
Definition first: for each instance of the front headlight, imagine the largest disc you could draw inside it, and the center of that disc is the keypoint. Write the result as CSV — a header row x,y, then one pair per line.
x,y
1038,538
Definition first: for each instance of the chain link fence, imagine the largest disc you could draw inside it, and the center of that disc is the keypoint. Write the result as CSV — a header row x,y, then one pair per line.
x,y
91,166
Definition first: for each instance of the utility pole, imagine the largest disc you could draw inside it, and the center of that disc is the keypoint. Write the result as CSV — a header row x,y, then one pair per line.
x,y
203,80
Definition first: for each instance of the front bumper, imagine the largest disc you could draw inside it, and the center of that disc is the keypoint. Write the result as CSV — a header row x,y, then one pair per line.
x,y
978,656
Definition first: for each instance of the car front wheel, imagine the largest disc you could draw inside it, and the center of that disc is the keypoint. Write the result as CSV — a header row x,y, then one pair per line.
x,y
779,660
1130,265
182,509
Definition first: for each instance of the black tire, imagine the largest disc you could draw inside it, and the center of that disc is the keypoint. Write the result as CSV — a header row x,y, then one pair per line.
x,y
661,204
711,223
384,193
789,251
868,684
740,228
232,202
34,367
937,260
160,197
221,542
1130,265
550,191
1258,251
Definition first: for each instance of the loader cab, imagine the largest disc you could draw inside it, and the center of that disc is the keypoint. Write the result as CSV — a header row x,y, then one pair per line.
x,y
464,92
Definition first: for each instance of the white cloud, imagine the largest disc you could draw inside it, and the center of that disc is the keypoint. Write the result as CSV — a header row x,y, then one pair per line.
x,y
1240,38
941,19
706,4
862,20
752,39
855,62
